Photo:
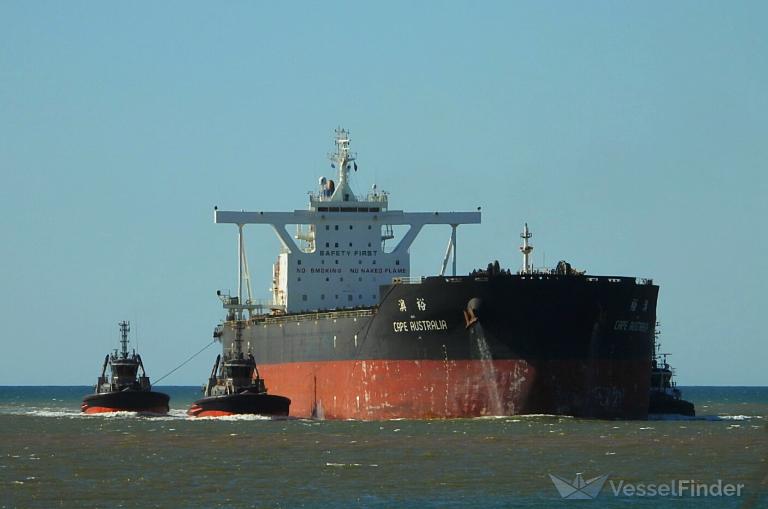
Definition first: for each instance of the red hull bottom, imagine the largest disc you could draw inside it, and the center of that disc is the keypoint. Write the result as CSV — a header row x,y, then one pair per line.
x,y
103,410
196,411
411,389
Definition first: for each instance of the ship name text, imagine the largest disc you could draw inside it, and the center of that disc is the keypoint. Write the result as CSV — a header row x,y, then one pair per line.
x,y
626,325
419,325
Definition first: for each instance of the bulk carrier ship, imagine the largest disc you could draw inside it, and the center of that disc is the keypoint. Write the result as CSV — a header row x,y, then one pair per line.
x,y
349,334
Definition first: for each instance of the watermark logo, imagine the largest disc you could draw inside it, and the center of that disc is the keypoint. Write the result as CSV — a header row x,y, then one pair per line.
x,y
579,489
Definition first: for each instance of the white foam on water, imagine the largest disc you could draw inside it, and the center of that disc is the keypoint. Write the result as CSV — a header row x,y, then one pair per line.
x,y
240,417
712,418
45,412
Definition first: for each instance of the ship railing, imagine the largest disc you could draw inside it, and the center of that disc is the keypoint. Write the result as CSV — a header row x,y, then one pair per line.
x,y
348,313
378,199
408,280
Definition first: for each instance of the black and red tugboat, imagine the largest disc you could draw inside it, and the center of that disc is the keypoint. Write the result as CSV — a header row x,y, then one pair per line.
x,y
235,387
124,391
665,398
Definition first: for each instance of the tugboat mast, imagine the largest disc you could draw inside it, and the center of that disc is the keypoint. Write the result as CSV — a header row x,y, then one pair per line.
x,y
125,328
526,249
239,340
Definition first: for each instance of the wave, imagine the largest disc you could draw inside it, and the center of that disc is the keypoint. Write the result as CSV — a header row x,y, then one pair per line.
x,y
175,414
713,418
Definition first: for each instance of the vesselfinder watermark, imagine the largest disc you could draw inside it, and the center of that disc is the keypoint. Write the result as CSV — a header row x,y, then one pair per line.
x,y
582,489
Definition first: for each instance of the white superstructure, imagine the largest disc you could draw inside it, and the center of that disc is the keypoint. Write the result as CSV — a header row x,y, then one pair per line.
x,y
340,258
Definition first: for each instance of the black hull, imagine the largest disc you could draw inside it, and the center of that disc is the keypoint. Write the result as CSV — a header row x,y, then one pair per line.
x,y
559,344
664,404
243,403
126,401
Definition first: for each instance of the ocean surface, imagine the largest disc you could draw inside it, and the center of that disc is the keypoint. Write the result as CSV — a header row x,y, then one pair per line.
x,y
52,456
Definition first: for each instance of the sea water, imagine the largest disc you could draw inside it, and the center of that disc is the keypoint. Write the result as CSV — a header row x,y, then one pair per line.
x,y
53,456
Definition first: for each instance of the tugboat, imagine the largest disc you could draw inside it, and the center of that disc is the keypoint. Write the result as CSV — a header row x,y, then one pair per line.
x,y
235,387
665,397
123,390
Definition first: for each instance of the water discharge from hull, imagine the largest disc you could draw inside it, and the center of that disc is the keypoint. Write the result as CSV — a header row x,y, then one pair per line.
x,y
489,371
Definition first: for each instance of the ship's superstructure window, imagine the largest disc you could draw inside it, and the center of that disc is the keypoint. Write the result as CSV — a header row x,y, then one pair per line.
x,y
349,297
350,227
304,297
298,262
336,227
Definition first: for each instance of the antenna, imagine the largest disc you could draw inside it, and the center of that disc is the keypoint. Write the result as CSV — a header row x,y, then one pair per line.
x,y
125,327
526,249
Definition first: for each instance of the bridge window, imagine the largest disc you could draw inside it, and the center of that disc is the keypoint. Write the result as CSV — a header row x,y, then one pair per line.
x,y
327,227
335,227
327,244
350,227
337,244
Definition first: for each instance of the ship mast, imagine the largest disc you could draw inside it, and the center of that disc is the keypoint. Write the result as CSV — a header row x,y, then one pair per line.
x,y
526,249
125,327
342,159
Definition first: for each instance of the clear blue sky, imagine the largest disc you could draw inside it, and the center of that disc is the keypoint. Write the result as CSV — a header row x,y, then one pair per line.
x,y
631,136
